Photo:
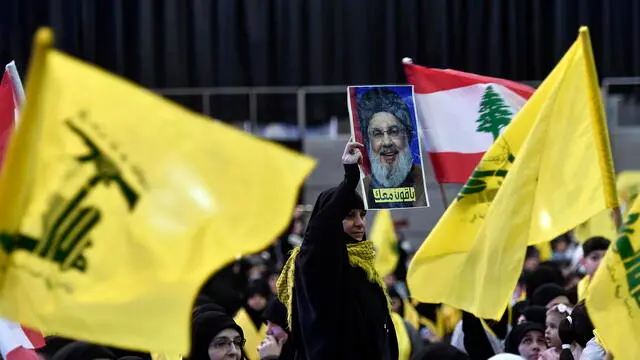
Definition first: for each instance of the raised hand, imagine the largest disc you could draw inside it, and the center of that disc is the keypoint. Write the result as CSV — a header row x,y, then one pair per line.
x,y
352,153
270,347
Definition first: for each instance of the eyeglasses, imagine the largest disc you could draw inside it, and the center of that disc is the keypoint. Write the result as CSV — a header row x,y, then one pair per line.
x,y
395,132
225,343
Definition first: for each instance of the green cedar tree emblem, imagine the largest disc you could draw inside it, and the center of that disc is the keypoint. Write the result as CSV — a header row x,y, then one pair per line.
x,y
495,114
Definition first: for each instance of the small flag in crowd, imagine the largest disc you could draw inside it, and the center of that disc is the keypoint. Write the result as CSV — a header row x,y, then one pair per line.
x,y
384,238
613,296
461,115
119,204
522,193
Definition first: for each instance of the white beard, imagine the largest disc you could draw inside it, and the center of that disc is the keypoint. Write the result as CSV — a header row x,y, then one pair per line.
x,y
391,177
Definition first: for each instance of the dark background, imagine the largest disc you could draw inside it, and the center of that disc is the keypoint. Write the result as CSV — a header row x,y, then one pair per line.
x,y
207,43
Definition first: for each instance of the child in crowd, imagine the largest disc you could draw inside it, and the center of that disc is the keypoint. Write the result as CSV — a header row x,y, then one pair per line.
x,y
593,252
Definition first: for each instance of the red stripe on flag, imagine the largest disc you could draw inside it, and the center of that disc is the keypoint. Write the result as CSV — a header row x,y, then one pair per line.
x,y
426,80
7,108
451,167
35,337
21,353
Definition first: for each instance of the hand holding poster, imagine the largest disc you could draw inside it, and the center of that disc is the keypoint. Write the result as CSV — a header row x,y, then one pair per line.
x,y
383,118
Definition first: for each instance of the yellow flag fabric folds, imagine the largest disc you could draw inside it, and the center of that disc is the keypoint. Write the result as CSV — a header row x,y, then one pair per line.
x,y
628,187
628,184
129,203
252,335
599,225
613,297
549,171
385,241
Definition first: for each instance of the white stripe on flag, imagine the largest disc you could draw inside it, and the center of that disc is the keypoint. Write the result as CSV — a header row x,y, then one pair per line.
x,y
448,118
11,337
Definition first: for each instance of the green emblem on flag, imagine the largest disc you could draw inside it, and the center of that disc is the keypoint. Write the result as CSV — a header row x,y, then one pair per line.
x,y
495,114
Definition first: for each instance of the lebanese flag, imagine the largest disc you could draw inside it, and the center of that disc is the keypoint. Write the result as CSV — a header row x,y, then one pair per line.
x,y
461,114
16,342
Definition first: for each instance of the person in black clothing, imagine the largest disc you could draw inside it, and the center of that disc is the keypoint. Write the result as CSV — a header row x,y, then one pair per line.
x,y
79,350
257,297
279,344
336,304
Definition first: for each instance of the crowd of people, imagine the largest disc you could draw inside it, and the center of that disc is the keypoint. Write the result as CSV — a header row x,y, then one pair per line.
x,y
317,295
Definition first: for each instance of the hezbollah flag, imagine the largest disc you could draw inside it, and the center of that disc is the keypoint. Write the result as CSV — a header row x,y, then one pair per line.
x,y
599,225
628,186
549,171
117,205
383,236
613,297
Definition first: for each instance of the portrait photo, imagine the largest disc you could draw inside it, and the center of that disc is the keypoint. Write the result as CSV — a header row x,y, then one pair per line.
x,y
383,119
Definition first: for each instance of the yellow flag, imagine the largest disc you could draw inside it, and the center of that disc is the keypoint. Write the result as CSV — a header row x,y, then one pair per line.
x,y
628,187
599,225
546,252
628,184
118,205
165,357
549,171
383,236
613,297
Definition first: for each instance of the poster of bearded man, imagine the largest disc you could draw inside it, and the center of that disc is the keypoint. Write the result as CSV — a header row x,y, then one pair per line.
x,y
383,119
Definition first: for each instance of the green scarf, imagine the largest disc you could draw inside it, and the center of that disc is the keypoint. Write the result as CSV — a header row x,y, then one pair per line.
x,y
361,254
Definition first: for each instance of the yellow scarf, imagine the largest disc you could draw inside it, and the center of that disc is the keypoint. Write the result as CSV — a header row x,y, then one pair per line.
x,y
361,254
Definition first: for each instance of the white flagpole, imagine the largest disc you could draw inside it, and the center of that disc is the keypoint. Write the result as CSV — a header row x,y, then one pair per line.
x,y
18,89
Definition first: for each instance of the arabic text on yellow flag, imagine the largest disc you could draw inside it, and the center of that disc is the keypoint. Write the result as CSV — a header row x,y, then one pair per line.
x,y
549,171
128,203
613,296
383,236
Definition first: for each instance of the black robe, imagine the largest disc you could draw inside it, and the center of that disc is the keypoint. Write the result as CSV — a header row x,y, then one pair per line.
x,y
337,313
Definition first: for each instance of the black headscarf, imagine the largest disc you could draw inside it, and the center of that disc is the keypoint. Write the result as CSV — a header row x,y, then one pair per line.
x,y
394,294
276,313
205,327
440,351
537,314
354,201
543,274
83,351
547,292
516,335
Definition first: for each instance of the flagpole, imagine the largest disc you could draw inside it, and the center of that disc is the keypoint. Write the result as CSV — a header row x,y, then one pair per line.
x,y
17,83
443,193
601,132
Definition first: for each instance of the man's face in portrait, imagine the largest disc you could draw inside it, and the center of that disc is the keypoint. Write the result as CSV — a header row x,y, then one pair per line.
x,y
389,151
